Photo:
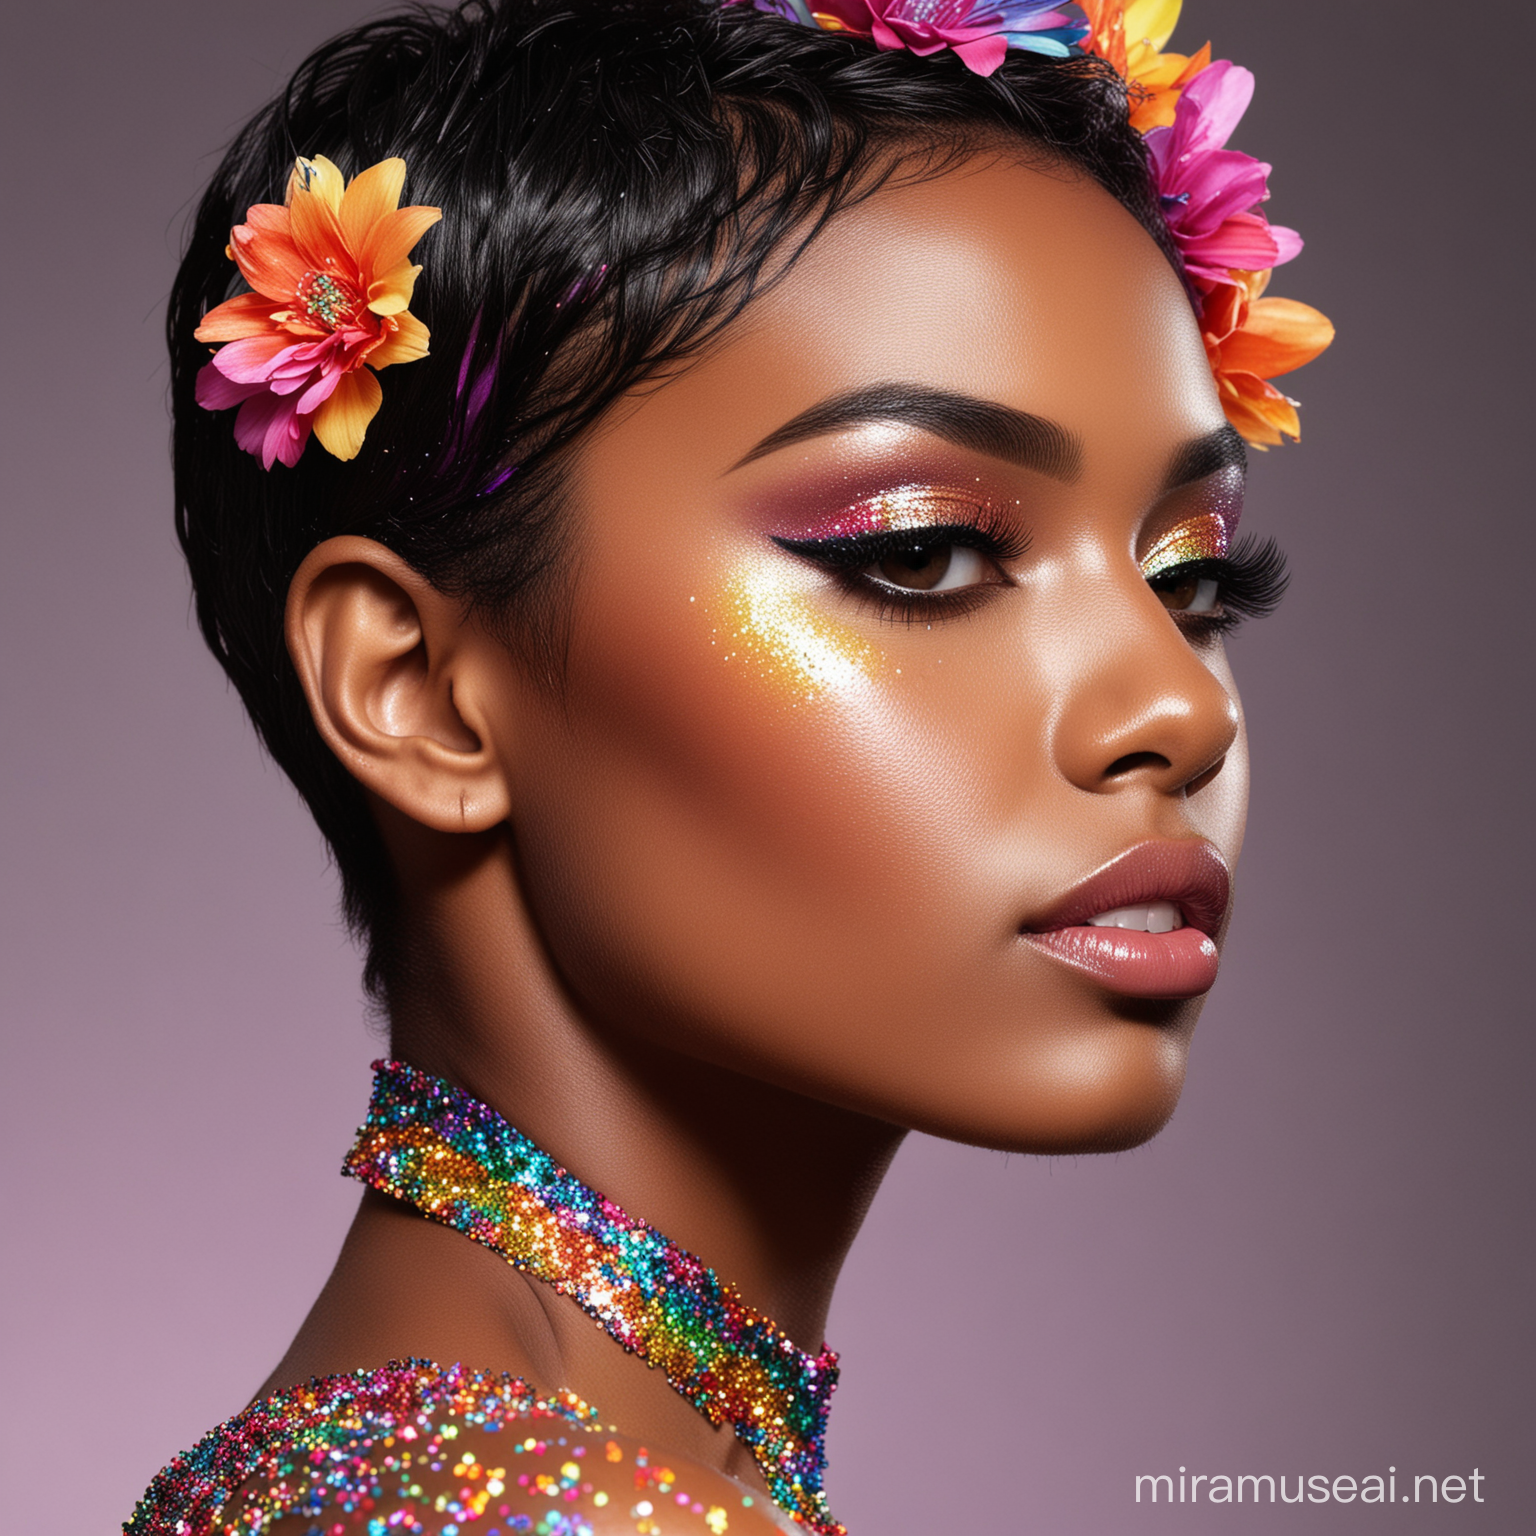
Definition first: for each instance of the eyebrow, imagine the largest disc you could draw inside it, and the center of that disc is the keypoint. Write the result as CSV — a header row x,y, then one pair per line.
x,y
1201,456
982,425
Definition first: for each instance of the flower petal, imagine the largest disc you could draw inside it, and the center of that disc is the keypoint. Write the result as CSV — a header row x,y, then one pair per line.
x,y
1152,21
985,54
1214,102
1222,306
847,15
372,195
407,344
1106,31
1218,185
247,314
319,387
1244,242
1052,45
269,427
318,238
264,251
318,178
255,359
1258,410
1288,243
1278,336
216,391
391,294
341,422
391,240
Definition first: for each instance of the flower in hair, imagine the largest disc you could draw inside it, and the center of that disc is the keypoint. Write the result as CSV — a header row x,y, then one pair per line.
x,y
978,32
1211,194
1250,339
331,284
1186,109
1132,38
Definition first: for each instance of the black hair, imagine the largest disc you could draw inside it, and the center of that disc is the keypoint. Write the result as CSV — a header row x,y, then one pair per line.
x,y
617,181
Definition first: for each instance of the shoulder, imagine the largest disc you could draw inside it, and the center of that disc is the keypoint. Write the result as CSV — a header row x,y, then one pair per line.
x,y
529,1476
414,1448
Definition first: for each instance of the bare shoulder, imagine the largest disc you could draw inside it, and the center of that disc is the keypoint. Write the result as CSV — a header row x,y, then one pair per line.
x,y
529,1475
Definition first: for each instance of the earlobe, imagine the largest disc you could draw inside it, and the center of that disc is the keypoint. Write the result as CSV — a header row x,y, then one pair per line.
x,y
395,676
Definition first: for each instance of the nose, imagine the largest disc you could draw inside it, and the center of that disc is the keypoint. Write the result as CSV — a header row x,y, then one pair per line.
x,y
1143,707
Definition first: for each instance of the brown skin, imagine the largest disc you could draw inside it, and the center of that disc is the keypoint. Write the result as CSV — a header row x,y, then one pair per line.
x,y
716,929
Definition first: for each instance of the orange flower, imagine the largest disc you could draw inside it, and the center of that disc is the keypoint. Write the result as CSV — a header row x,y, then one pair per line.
x,y
1249,340
331,288
1132,37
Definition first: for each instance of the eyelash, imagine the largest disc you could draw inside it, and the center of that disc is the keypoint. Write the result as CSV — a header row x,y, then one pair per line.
x,y
849,555
1251,580
1250,583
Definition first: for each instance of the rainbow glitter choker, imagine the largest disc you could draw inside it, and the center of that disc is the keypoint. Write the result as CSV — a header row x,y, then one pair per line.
x,y
460,1163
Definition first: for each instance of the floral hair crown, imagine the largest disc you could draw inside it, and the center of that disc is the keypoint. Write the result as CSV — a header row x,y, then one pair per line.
x,y
331,281
1185,108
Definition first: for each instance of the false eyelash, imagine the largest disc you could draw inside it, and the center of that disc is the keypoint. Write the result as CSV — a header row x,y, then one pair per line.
x,y
1252,580
852,552
845,555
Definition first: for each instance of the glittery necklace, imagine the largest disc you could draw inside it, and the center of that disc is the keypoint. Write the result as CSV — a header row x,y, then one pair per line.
x,y
460,1163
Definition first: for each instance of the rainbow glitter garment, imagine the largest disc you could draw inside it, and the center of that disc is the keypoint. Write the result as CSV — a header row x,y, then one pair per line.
x,y
344,1443
459,1162
413,1449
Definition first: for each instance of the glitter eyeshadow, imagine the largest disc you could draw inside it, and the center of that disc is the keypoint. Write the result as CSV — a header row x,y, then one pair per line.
x,y
1197,538
908,506
805,651
415,1449
460,1163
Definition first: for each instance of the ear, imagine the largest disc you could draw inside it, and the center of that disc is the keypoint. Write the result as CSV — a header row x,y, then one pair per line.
x,y
396,677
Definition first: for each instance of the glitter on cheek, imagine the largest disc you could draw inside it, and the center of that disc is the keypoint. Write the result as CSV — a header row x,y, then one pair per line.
x,y
1197,538
776,631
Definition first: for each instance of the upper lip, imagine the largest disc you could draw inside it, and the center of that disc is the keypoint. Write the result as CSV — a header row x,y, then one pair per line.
x,y
1188,872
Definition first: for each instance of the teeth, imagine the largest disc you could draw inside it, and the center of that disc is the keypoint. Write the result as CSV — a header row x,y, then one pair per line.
x,y
1152,917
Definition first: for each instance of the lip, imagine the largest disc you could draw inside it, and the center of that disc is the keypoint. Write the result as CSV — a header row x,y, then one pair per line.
x,y
1188,872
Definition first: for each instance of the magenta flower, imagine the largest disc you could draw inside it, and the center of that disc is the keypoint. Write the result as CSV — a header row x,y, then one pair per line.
x,y
980,32
1210,193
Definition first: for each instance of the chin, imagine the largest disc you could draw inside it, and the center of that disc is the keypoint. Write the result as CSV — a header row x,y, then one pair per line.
x,y
1105,1089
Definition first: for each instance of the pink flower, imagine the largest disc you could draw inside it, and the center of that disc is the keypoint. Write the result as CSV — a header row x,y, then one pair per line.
x,y
1210,193
980,32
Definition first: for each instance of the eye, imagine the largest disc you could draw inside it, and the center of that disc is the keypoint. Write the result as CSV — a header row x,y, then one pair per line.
x,y
1210,597
929,565
932,572
1188,592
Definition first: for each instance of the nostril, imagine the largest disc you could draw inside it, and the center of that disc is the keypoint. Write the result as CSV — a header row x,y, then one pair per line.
x,y
1133,761
1200,780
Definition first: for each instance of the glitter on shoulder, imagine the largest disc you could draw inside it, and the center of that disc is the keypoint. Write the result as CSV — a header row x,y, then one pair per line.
x,y
417,1449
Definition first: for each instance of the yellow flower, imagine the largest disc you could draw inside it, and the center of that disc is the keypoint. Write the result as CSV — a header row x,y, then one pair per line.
x,y
1132,38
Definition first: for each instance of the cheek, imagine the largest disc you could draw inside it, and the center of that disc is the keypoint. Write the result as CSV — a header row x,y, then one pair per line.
x,y
745,799
777,637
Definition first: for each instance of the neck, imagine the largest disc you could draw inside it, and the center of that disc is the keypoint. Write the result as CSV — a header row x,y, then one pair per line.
x,y
767,1187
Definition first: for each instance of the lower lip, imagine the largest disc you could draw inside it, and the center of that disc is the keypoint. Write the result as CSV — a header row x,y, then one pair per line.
x,y
1135,964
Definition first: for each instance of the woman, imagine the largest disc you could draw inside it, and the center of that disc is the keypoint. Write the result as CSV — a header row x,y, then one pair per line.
x,y
753,618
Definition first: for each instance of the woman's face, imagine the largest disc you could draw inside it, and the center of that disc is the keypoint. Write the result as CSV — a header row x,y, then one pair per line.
x,y
875,659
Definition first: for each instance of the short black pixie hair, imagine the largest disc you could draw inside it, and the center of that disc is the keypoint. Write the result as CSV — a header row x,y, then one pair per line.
x,y
617,181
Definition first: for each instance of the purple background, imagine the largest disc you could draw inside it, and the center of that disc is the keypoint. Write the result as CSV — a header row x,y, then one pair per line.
x,y
1323,1266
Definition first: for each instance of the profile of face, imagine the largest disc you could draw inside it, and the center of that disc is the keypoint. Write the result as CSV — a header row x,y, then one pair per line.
x,y
885,672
